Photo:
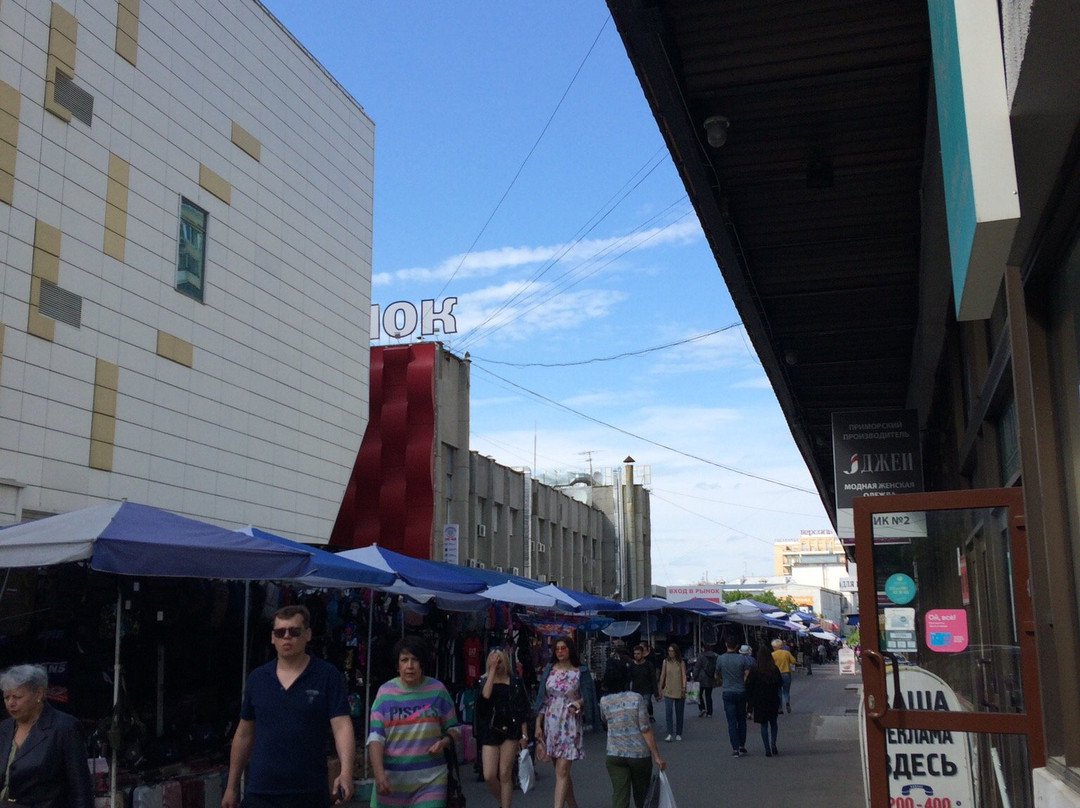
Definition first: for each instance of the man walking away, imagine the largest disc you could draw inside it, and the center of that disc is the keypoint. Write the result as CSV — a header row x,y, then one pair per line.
x,y
733,668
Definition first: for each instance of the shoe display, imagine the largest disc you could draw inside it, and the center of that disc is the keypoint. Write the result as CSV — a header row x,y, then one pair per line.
x,y
668,739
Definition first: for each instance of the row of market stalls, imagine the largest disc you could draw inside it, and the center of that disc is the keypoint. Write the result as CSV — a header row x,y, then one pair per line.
x,y
148,623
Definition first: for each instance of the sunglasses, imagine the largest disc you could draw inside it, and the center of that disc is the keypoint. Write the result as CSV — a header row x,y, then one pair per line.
x,y
288,631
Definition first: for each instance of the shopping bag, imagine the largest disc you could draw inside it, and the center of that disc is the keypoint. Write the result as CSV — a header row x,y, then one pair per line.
x,y
693,690
526,772
666,799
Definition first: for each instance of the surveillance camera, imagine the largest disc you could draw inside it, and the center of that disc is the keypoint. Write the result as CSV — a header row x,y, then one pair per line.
x,y
716,129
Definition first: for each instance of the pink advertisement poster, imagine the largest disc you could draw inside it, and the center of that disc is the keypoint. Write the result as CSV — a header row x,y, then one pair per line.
x,y
946,630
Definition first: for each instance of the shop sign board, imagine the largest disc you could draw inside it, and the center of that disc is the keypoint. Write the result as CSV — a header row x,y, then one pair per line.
x,y
926,768
846,655
876,453
401,319
450,544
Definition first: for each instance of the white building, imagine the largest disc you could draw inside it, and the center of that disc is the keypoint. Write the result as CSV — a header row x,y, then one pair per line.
x,y
185,264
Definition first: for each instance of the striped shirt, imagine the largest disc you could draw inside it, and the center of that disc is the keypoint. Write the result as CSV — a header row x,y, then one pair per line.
x,y
407,721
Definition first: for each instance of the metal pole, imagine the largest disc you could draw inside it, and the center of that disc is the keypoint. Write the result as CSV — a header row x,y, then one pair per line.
x,y
115,691
367,680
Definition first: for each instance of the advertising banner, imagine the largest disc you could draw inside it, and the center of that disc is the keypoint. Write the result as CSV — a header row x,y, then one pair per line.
x,y
875,453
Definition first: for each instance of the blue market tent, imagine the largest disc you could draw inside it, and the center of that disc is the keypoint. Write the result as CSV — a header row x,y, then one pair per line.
x,y
132,539
581,601
700,605
646,605
328,570
428,576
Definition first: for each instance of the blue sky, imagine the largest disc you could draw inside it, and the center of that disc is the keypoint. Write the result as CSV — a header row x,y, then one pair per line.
x,y
518,168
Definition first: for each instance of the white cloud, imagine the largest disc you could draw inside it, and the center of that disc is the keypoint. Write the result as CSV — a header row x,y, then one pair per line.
x,y
586,253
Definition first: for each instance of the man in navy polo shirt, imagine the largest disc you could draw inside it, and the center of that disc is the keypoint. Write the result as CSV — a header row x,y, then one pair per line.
x,y
281,738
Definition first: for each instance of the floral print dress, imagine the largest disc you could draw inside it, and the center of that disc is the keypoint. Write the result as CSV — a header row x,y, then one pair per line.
x,y
562,728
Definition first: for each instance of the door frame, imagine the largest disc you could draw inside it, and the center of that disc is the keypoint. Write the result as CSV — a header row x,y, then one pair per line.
x,y
879,716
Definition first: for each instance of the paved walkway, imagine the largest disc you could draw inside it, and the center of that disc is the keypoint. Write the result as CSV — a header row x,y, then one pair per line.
x,y
819,762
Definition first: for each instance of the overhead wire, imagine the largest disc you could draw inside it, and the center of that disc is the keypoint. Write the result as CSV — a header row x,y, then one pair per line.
x,y
642,438
594,360
521,167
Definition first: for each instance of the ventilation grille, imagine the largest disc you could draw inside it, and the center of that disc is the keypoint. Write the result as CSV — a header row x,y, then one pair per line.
x,y
73,98
59,304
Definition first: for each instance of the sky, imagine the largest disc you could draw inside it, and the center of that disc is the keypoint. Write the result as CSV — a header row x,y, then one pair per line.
x,y
519,169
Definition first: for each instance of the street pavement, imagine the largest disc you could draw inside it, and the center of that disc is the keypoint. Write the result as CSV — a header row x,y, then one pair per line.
x,y
819,762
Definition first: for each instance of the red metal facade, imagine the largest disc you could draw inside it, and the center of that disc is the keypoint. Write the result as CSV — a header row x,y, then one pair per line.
x,y
390,496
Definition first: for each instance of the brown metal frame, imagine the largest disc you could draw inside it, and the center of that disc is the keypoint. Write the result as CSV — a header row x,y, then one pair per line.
x,y
879,717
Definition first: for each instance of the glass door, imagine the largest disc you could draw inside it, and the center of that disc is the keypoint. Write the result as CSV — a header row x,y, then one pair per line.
x,y
950,704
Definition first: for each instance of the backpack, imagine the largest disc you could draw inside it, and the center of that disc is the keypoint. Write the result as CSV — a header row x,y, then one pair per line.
x,y
710,665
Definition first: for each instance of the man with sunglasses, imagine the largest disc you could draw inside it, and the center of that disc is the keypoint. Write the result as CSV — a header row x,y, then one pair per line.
x,y
281,737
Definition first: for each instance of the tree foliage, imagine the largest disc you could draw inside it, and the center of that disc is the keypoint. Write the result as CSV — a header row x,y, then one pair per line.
x,y
784,604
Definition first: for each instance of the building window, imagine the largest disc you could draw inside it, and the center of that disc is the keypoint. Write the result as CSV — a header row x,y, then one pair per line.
x,y
191,250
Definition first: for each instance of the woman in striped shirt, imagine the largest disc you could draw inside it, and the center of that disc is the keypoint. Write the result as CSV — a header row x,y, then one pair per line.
x,y
413,721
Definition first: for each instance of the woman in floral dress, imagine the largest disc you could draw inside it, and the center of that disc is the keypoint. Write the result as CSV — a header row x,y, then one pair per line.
x,y
558,722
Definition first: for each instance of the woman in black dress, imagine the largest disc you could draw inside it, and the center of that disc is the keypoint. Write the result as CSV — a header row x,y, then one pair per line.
x,y
502,725
763,697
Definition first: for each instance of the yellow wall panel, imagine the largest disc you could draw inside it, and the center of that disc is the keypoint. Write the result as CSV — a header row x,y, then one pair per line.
x,y
127,29
246,141
63,29
107,375
101,455
175,349
215,184
116,200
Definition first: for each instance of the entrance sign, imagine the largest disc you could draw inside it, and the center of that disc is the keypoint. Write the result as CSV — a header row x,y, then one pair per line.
x,y
876,453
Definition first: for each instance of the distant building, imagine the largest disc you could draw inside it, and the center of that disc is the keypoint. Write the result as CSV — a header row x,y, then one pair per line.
x,y
418,488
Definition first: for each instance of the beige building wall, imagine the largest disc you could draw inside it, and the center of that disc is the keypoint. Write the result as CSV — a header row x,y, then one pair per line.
x,y
247,406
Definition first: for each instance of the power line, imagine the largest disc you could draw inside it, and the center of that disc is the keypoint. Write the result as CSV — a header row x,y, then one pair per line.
x,y
736,504
521,168
664,446
624,355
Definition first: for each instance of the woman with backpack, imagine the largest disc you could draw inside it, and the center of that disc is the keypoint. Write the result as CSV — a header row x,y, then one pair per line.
x,y
502,724
705,674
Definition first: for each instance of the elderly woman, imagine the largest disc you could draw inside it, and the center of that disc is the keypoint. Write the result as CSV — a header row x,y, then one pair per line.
x,y
42,749
413,722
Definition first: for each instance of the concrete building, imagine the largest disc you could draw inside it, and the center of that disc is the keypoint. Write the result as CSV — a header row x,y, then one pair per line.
x,y
892,194
419,489
185,262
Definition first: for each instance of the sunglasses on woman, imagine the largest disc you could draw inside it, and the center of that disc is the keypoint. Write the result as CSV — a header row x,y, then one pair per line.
x,y
288,631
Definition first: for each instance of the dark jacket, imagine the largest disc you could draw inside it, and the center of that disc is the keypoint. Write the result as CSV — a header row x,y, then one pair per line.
x,y
763,694
516,706
50,768
590,712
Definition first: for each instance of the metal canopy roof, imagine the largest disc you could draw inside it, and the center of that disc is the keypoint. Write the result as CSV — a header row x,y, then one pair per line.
x,y
812,206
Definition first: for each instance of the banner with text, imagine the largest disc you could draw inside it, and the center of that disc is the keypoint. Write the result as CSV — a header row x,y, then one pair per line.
x,y
876,453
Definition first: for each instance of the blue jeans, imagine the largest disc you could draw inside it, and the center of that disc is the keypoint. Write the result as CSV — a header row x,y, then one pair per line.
x,y
680,705
785,687
765,728
735,711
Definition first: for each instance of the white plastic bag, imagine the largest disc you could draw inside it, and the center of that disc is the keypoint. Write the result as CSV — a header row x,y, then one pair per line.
x,y
526,773
693,690
664,797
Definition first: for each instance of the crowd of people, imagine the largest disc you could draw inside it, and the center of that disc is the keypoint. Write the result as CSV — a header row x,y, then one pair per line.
x,y
292,703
